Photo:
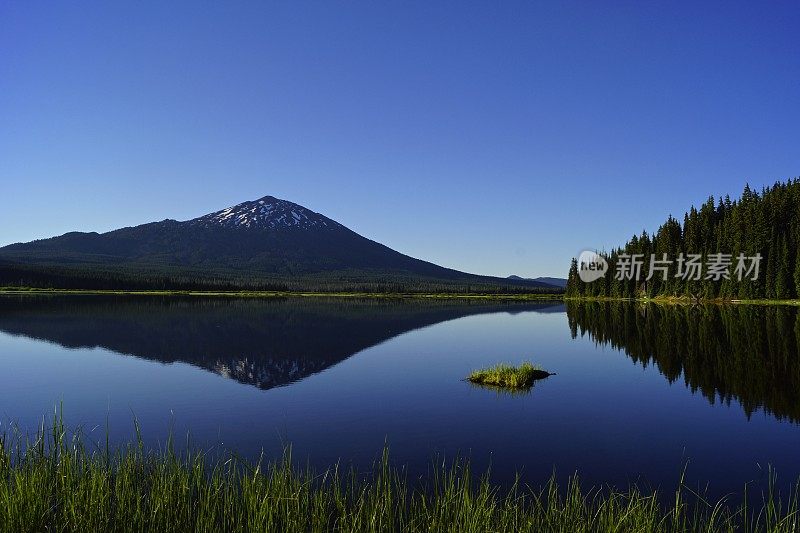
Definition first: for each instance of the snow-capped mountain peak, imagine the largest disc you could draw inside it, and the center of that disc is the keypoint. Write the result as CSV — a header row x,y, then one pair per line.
x,y
267,212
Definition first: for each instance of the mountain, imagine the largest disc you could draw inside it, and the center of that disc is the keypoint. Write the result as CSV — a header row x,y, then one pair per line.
x,y
556,282
267,243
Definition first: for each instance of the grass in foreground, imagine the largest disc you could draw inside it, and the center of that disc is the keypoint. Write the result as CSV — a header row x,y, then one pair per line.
x,y
508,376
56,483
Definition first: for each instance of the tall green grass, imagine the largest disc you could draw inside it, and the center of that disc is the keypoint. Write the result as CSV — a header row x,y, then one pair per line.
x,y
508,376
57,483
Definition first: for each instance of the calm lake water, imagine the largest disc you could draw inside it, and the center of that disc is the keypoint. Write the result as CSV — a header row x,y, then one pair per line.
x,y
639,391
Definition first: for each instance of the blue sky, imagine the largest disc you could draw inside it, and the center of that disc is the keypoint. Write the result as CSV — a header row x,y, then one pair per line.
x,y
493,137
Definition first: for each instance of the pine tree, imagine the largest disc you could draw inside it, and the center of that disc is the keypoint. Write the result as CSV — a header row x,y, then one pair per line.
x,y
797,274
572,289
783,273
765,223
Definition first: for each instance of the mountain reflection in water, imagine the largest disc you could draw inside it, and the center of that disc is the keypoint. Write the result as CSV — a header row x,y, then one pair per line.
x,y
265,342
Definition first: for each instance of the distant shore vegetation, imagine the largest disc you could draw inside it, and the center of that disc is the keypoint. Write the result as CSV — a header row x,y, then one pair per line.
x,y
167,278
32,291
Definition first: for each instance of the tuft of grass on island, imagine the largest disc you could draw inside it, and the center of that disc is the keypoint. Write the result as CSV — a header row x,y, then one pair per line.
x,y
507,376
58,483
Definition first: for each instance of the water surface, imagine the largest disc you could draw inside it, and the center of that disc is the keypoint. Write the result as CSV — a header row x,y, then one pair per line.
x,y
639,391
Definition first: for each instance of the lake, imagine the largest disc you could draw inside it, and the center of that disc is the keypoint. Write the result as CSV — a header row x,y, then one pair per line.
x,y
639,391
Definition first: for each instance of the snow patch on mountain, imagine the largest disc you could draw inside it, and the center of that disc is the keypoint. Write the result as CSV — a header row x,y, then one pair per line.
x,y
267,212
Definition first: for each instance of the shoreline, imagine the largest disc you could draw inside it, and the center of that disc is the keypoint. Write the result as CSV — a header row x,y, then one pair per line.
x,y
661,300
668,300
682,300
17,291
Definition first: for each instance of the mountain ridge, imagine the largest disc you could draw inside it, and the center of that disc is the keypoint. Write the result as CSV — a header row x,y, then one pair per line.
x,y
557,282
254,243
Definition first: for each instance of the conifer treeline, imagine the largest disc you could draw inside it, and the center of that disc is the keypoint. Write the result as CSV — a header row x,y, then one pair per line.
x,y
765,223
165,278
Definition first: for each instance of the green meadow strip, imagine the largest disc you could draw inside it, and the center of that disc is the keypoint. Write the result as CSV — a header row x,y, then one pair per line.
x,y
286,294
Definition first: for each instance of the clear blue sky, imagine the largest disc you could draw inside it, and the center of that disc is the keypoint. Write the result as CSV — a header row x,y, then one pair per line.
x,y
493,137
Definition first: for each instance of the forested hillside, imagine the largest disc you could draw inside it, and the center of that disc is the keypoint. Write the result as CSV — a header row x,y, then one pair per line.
x,y
728,234
153,277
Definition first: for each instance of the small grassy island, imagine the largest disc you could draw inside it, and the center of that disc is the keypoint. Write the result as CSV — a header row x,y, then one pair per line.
x,y
508,376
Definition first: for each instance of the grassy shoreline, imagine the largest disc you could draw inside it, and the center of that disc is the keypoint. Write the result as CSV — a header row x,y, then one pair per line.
x,y
58,483
670,300
283,294
682,300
